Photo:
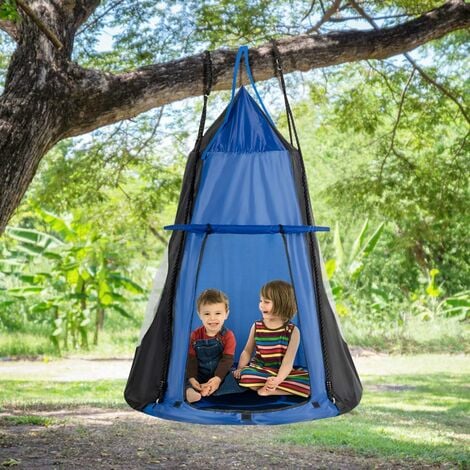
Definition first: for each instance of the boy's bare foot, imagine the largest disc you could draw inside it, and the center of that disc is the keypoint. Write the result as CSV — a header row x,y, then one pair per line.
x,y
192,396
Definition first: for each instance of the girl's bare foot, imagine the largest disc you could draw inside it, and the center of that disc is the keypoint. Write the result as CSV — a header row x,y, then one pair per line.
x,y
192,396
264,392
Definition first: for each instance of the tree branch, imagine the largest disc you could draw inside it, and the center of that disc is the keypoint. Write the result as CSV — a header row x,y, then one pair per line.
x,y
102,98
439,86
355,18
312,5
40,24
96,20
416,67
397,122
83,9
326,16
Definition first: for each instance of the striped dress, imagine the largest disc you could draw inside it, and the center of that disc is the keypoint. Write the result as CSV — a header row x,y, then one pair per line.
x,y
271,346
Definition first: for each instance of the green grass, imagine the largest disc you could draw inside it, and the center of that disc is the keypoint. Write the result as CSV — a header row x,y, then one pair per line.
x,y
30,394
414,337
28,420
416,415
26,344
117,340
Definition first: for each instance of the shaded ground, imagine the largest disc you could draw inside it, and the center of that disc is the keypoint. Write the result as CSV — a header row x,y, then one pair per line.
x,y
97,438
119,439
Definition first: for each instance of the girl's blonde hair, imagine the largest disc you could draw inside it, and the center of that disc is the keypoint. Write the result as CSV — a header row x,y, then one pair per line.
x,y
282,295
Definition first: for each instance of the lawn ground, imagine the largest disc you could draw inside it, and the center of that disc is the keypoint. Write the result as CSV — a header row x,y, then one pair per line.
x,y
70,414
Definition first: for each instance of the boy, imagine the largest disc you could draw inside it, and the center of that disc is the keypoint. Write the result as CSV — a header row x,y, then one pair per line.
x,y
211,350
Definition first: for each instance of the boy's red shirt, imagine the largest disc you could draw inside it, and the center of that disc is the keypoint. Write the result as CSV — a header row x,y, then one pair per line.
x,y
227,340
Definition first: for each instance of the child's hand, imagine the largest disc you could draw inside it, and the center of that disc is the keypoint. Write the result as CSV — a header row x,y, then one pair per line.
x,y
210,386
195,384
272,383
236,373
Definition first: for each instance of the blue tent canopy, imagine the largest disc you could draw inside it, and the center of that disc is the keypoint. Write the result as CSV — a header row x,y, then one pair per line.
x,y
243,220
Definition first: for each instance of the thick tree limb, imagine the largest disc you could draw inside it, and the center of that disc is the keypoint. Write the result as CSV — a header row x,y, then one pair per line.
x,y
103,99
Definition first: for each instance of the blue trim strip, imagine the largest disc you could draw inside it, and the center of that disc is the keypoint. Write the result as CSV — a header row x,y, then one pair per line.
x,y
247,229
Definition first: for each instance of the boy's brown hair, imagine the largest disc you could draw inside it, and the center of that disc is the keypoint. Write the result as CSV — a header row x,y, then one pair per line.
x,y
282,295
212,296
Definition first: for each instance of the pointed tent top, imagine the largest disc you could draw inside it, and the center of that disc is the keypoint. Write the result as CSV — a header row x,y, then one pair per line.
x,y
246,128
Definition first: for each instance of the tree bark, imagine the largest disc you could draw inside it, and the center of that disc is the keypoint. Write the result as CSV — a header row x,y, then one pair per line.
x,y
48,97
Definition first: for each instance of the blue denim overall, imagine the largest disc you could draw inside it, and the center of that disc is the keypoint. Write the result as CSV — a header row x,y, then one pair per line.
x,y
209,353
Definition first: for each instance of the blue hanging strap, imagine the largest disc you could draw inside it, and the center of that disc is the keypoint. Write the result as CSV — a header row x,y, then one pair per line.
x,y
243,53
247,229
235,71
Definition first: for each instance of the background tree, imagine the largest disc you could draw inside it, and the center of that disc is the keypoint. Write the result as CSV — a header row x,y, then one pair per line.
x,y
48,96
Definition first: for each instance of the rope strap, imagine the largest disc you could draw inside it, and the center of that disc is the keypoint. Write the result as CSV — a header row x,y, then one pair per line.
x,y
207,74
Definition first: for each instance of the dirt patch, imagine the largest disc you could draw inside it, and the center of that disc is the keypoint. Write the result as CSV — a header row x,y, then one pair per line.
x,y
121,439
65,370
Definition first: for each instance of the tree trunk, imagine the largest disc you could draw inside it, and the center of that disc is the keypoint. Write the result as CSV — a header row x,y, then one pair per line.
x,y
48,97
99,324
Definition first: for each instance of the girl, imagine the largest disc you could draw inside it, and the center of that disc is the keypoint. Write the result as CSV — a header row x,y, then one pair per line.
x,y
276,341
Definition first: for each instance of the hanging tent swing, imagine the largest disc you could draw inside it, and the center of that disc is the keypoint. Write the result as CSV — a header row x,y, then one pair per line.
x,y
244,218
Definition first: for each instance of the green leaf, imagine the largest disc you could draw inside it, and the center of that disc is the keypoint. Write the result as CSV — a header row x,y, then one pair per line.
x,y
30,249
41,307
120,310
330,267
57,224
339,252
28,278
373,240
25,290
71,266
432,289
32,236
72,276
52,255
9,12
106,298
127,284
355,269
359,241
456,302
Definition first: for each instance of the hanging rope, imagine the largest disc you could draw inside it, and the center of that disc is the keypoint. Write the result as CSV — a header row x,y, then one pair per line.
x,y
309,218
207,83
